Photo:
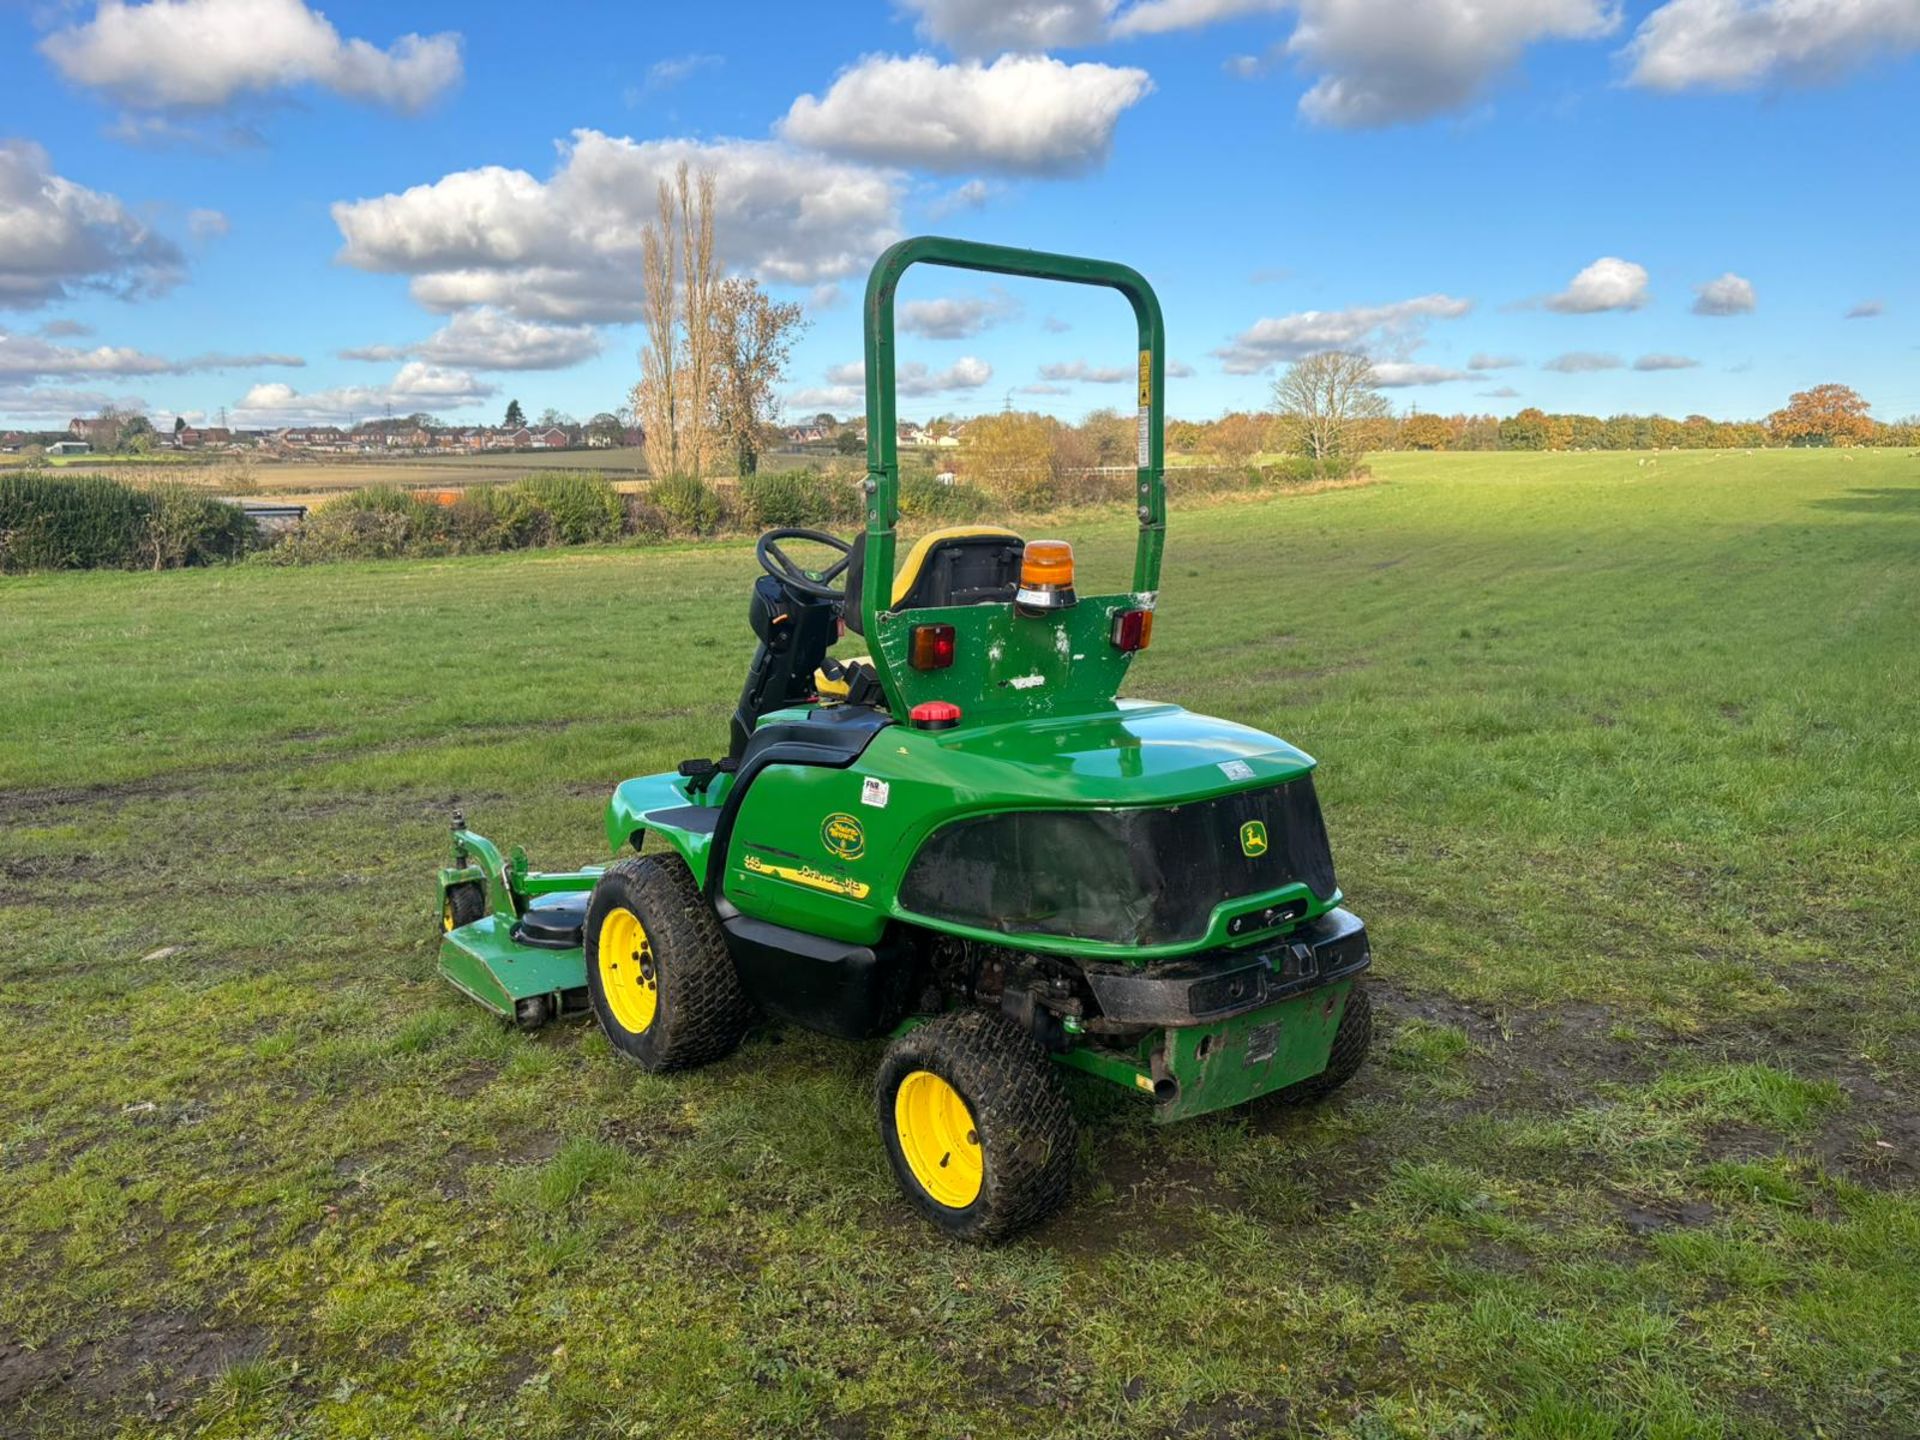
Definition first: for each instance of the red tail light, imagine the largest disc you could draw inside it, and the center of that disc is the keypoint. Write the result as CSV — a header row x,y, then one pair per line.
x,y
932,647
1132,629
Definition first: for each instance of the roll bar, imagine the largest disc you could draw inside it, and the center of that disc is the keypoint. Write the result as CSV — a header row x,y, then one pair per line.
x,y
883,457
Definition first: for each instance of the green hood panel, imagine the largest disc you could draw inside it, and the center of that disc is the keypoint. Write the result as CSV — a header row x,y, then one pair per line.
x,y
1137,753
825,850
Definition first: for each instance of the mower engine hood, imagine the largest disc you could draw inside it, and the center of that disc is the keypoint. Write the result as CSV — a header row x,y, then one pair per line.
x,y
1138,753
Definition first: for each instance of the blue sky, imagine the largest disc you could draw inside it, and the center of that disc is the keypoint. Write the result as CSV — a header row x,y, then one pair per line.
x,y
1695,205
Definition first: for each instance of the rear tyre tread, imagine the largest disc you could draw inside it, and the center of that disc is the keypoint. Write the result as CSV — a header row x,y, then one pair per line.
x,y
703,1012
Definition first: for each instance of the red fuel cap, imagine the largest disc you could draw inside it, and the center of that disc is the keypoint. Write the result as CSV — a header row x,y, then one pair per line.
x,y
935,715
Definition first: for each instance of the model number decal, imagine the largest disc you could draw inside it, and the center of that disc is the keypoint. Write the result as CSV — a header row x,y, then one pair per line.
x,y
806,875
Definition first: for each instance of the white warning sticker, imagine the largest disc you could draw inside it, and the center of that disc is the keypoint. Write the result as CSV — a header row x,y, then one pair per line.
x,y
1236,770
1146,457
874,792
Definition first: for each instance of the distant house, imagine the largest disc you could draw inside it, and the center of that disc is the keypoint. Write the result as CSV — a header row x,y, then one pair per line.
x,y
94,432
195,438
552,438
11,442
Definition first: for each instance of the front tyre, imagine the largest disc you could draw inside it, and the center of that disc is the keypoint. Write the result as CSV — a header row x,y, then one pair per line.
x,y
658,974
976,1125
462,904
1350,1045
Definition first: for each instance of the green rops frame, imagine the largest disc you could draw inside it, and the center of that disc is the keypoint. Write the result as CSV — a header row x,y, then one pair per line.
x,y
883,458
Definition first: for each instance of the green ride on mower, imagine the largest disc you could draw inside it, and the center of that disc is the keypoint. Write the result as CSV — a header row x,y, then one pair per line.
x,y
964,841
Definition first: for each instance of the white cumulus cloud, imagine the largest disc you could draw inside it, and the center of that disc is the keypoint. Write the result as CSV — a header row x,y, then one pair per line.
x,y
1381,62
1156,17
1394,374
1729,295
1090,374
954,319
487,339
57,404
1582,362
988,27
416,386
913,379
199,54
1609,283
29,357
1484,361
1022,114
1398,326
1665,362
568,248
58,238
1741,44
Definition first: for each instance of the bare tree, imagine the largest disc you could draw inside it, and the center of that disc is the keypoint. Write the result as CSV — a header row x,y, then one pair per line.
x,y
674,399
700,277
1323,400
655,396
752,338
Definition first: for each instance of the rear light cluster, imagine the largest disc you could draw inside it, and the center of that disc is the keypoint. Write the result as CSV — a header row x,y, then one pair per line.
x,y
931,647
1132,629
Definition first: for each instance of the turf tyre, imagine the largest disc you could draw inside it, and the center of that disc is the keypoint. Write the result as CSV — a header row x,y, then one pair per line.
x,y
1351,1042
1020,1112
701,1010
462,904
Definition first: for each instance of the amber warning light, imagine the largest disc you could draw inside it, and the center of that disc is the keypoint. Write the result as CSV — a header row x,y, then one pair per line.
x,y
1046,577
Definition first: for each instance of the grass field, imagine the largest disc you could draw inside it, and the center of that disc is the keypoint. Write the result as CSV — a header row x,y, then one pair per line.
x,y
1621,758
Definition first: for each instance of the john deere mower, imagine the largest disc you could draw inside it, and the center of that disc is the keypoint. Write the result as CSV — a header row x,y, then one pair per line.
x,y
963,841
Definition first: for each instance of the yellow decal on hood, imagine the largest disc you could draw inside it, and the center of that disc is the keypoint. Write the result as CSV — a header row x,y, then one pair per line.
x,y
806,875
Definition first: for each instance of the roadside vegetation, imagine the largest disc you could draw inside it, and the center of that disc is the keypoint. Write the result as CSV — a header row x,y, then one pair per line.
x,y
1618,755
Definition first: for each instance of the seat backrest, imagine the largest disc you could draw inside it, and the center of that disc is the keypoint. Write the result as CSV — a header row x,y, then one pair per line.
x,y
960,565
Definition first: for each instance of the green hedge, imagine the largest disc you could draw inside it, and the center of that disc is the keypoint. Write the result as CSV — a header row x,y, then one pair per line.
x,y
94,522
552,507
804,498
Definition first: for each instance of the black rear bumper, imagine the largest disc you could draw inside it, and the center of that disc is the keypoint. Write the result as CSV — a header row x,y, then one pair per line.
x,y
1201,989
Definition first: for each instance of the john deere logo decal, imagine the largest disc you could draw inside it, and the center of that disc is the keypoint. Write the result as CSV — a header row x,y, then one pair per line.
x,y
842,836
1253,838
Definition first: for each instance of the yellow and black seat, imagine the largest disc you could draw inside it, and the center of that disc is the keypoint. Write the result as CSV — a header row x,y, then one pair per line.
x,y
959,565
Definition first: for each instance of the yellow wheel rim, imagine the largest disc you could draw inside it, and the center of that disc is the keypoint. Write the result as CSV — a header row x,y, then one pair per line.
x,y
939,1139
446,913
629,977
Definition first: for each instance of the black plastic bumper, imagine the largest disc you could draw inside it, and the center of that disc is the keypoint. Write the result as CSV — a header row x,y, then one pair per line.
x,y
1223,983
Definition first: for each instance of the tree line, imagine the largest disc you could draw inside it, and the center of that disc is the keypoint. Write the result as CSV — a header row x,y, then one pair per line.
x,y
1324,408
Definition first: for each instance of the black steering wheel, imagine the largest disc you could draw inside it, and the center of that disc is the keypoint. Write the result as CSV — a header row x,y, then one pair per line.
x,y
818,583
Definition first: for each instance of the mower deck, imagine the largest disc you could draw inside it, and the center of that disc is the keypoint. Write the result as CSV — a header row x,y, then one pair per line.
x,y
483,960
